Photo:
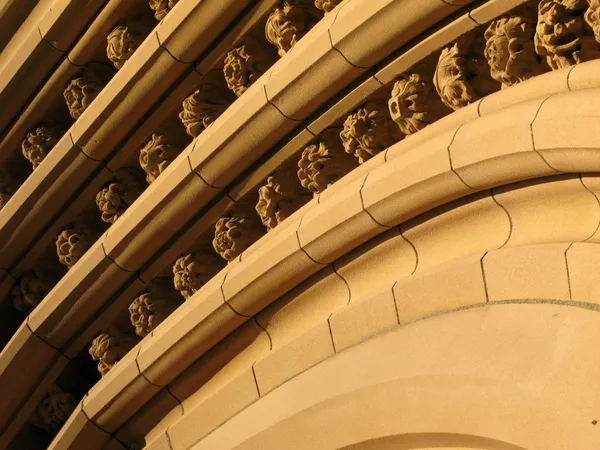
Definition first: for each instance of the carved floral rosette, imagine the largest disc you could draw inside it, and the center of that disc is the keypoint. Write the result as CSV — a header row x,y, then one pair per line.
x,y
562,34
414,103
327,5
462,75
195,269
110,347
156,156
31,289
280,197
74,241
153,306
54,410
324,162
8,186
121,192
510,49
85,87
238,230
291,20
207,103
369,130
40,141
124,39
162,7
245,64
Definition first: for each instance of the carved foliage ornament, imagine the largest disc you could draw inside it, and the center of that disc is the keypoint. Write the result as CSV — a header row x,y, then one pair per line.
x,y
122,191
327,5
592,17
414,103
84,88
206,104
280,197
124,40
245,64
54,410
462,75
74,241
33,286
162,7
239,229
289,22
156,156
108,348
324,162
8,186
369,130
509,47
562,34
40,141
153,306
194,270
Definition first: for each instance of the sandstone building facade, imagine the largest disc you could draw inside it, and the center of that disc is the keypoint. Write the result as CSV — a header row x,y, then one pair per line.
x,y
299,224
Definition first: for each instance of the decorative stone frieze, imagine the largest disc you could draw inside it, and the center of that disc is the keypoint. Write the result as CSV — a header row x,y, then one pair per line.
x,y
280,197
327,5
40,141
207,103
414,103
85,87
245,64
31,289
124,40
562,34
110,347
510,49
291,20
462,75
74,240
162,7
156,156
153,306
237,230
324,162
121,192
8,186
54,410
369,130
195,269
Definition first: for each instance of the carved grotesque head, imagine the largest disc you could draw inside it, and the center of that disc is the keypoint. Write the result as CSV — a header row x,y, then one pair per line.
x,y
327,5
54,410
124,40
280,197
108,349
369,130
194,270
162,7
289,22
114,199
236,231
40,141
207,103
324,162
156,156
30,291
153,306
562,34
74,241
84,88
244,65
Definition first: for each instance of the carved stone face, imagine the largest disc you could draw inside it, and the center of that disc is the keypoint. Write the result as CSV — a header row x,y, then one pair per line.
x,y
193,270
327,5
152,307
83,89
40,141
71,245
156,156
162,7
244,65
114,199
288,23
108,349
238,230
124,40
30,291
54,410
